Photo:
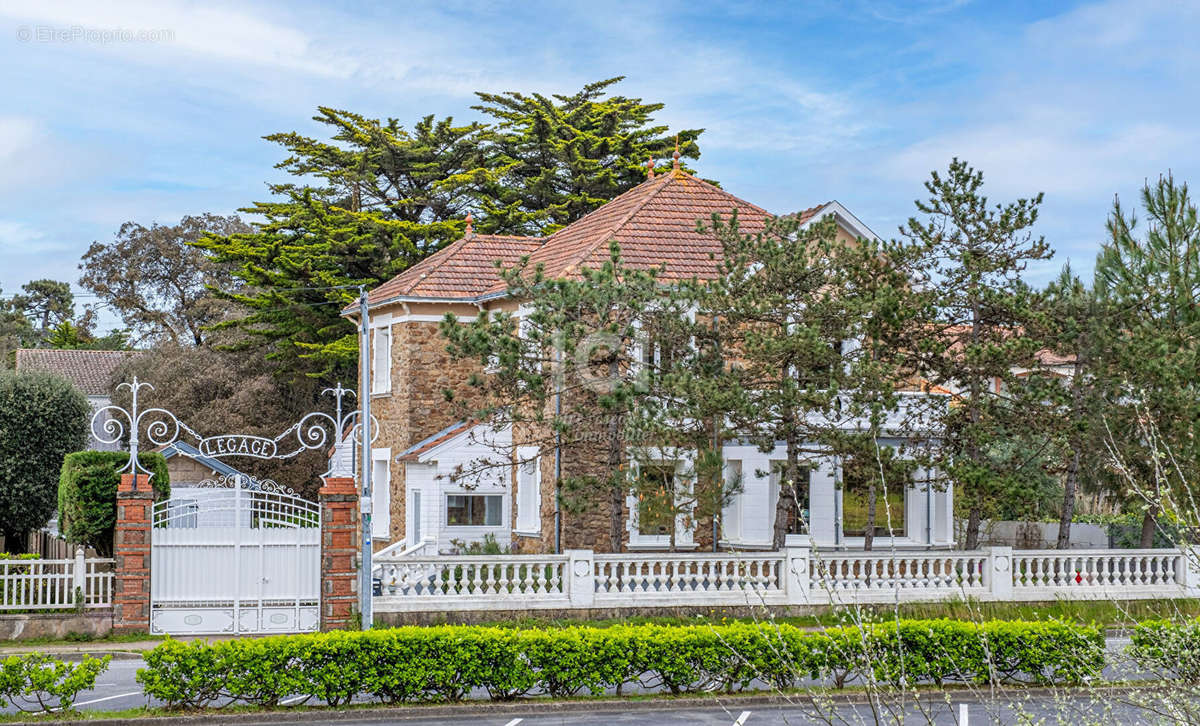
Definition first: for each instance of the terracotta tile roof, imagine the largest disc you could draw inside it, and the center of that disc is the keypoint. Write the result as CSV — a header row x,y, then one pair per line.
x,y
655,224
465,268
90,370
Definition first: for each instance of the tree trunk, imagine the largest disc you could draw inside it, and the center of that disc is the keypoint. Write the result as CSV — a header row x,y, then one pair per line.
x,y
1068,504
1071,485
869,533
973,521
787,495
1149,522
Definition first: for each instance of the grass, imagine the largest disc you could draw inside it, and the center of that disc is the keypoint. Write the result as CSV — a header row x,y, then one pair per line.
x,y
1105,613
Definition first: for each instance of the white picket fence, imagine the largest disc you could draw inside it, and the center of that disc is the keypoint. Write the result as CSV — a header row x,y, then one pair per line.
x,y
796,576
56,584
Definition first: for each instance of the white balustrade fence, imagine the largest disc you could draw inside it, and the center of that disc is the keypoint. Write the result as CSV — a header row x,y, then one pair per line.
x,y
56,584
795,576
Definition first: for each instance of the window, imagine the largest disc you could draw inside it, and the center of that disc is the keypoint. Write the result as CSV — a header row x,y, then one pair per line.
x,y
381,365
474,510
656,494
381,493
529,495
855,504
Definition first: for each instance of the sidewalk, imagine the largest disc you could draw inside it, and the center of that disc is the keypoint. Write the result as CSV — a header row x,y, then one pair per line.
x,y
117,649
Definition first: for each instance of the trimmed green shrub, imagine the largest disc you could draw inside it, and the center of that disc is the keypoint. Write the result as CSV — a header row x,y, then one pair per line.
x,y
42,419
87,494
37,682
447,663
1167,649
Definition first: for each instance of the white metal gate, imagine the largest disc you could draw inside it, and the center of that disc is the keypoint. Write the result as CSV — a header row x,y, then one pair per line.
x,y
235,556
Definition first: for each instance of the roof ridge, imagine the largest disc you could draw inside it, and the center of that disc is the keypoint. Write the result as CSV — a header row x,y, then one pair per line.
x,y
623,221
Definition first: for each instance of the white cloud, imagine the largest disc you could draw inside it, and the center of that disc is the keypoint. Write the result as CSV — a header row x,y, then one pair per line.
x,y
17,236
209,30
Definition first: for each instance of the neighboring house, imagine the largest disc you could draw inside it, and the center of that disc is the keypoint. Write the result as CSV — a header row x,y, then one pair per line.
x,y
90,370
416,459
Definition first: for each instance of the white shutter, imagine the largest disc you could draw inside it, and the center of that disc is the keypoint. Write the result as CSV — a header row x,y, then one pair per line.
x,y
381,493
529,494
381,369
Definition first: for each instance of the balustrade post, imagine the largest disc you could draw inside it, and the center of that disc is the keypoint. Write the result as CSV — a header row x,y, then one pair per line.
x,y
1188,570
79,576
796,575
581,578
1000,573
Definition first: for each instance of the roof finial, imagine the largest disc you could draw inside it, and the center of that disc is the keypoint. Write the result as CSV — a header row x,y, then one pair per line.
x,y
470,222
675,156
650,168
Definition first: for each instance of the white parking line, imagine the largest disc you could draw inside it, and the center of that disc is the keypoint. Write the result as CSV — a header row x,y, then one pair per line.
x,y
107,698
514,722
742,718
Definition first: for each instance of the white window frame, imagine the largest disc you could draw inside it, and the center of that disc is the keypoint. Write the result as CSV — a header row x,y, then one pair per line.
x,y
684,537
381,343
381,494
529,491
472,493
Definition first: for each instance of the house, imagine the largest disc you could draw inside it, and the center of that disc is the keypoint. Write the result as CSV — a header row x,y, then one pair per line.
x,y
417,461
90,370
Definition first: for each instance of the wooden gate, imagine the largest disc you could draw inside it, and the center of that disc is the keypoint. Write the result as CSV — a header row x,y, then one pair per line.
x,y
235,556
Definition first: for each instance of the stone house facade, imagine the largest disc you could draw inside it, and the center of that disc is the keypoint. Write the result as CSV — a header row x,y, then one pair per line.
x,y
421,502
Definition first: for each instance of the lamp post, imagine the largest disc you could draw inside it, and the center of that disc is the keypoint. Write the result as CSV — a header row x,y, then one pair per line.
x,y
364,428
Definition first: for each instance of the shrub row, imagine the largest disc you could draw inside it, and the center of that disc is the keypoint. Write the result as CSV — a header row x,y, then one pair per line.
x,y
447,663
1168,649
38,682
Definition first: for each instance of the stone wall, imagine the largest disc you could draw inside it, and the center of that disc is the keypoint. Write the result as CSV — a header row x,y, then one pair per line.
x,y
416,407
58,626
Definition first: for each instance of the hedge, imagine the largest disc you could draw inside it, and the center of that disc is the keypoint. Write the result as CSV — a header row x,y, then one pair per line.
x,y
1168,649
447,663
38,682
87,494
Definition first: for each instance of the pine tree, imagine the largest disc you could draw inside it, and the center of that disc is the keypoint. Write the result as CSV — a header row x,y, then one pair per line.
x,y
1074,328
1153,282
559,157
968,257
805,321
385,197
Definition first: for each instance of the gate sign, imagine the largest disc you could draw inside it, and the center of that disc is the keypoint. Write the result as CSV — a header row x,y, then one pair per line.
x,y
238,445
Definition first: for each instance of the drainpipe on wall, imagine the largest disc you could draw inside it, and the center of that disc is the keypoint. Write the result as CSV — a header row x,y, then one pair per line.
x,y
558,462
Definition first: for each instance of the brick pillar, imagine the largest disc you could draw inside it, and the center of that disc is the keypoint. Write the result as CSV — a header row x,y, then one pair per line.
x,y
339,552
131,549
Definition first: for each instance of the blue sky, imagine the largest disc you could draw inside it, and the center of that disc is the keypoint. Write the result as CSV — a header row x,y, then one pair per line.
x,y
802,102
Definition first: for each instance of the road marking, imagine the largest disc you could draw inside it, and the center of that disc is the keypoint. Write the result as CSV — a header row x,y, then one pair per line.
x,y
514,722
293,699
108,698
742,718
964,716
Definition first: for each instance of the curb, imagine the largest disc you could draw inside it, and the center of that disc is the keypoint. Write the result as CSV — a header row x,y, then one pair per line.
x,y
414,712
